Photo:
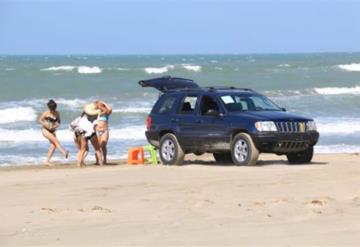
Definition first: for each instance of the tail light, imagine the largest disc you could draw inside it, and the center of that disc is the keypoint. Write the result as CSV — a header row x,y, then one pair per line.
x,y
148,122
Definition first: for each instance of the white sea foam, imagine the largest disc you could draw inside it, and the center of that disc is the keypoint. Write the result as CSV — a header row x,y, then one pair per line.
x,y
190,67
89,70
218,68
16,114
72,103
122,69
284,65
133,110
350,67
60,68
337,148
9,69
35,135
79,69
338,127
337,90
159,70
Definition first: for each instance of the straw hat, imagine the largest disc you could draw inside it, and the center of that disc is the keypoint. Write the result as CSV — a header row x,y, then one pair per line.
x,y
91,109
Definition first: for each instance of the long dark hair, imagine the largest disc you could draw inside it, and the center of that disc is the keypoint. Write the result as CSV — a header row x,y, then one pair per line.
x,y
52,105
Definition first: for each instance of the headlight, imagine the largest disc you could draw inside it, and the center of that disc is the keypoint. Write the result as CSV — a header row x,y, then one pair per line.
x,y
311,126
265,126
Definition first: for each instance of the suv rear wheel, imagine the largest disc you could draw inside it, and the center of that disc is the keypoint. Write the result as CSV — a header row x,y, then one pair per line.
x,y
171,152
223,157
243,150
303,157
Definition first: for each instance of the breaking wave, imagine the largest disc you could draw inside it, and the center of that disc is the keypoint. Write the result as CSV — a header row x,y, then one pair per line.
x,y
89,70
350,67
79,69
337,90
195,68
35,135
159,70
338,126
17,114
336,149
60,68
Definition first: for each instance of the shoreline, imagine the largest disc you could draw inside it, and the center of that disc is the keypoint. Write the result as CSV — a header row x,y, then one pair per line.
x,y
205,158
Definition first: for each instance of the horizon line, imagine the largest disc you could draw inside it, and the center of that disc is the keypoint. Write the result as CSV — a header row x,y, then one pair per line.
x,y
179,54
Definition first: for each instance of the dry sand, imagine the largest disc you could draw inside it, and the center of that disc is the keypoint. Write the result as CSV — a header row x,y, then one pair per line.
x,y
200,203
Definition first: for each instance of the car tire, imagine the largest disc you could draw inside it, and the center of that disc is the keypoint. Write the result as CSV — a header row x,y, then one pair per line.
x,y
223,157
243,150
303,157
170,150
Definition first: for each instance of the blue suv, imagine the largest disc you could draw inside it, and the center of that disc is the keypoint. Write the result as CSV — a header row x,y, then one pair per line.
x,y
234,124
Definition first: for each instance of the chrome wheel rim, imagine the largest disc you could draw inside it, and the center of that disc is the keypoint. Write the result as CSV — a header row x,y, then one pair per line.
x,y
241,150
168,150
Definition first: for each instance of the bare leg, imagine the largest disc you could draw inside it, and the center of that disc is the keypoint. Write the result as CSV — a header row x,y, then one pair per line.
x,y
104,141
96,157
52,138
83,149
98,152
50,154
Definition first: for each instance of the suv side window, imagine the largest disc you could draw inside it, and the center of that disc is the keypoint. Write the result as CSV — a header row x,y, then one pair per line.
x,y
208,103
166,105
188,105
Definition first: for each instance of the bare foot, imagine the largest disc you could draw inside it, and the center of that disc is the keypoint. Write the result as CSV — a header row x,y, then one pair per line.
x,y
48,163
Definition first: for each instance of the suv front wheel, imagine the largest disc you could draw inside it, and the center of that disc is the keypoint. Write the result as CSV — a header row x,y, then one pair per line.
x,y
303,157
243,150
170,151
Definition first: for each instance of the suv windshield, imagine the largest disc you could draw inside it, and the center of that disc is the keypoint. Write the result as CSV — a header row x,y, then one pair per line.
x,y
248,103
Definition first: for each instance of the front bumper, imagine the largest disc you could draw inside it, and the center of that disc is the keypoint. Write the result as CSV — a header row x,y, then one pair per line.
x,y
282,143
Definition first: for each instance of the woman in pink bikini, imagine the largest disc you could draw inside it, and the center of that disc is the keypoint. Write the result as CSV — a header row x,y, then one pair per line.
x,y
102,127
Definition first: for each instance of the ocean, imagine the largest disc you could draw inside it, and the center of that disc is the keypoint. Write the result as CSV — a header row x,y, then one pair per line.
x,y
325,87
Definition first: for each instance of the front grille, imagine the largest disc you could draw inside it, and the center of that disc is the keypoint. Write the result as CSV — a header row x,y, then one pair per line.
x,y
291,127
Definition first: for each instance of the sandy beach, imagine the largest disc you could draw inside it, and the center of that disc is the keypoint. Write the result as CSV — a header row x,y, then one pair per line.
x,y
200,203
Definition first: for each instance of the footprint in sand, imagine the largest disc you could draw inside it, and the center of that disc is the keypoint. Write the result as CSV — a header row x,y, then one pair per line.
x,y
356,201
49,210
96,209
259,204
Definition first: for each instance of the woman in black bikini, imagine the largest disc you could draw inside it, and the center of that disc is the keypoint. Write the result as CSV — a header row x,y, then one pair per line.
x,y
50,121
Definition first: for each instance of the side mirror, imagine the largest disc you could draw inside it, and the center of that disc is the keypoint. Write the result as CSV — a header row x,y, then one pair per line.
x,y
283,109
213,113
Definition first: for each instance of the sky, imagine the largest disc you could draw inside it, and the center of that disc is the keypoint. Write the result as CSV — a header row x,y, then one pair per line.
x,y
178,27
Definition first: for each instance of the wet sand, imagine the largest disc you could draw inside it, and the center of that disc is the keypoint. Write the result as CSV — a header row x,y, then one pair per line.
x,y
200,203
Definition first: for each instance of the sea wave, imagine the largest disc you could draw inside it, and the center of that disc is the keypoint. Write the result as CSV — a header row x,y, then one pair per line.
x,y
17,114
59,68
35,135
80,69
338,127
133,110
350,67
284,65
190,67
337,90
337,148
89,70
159,70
